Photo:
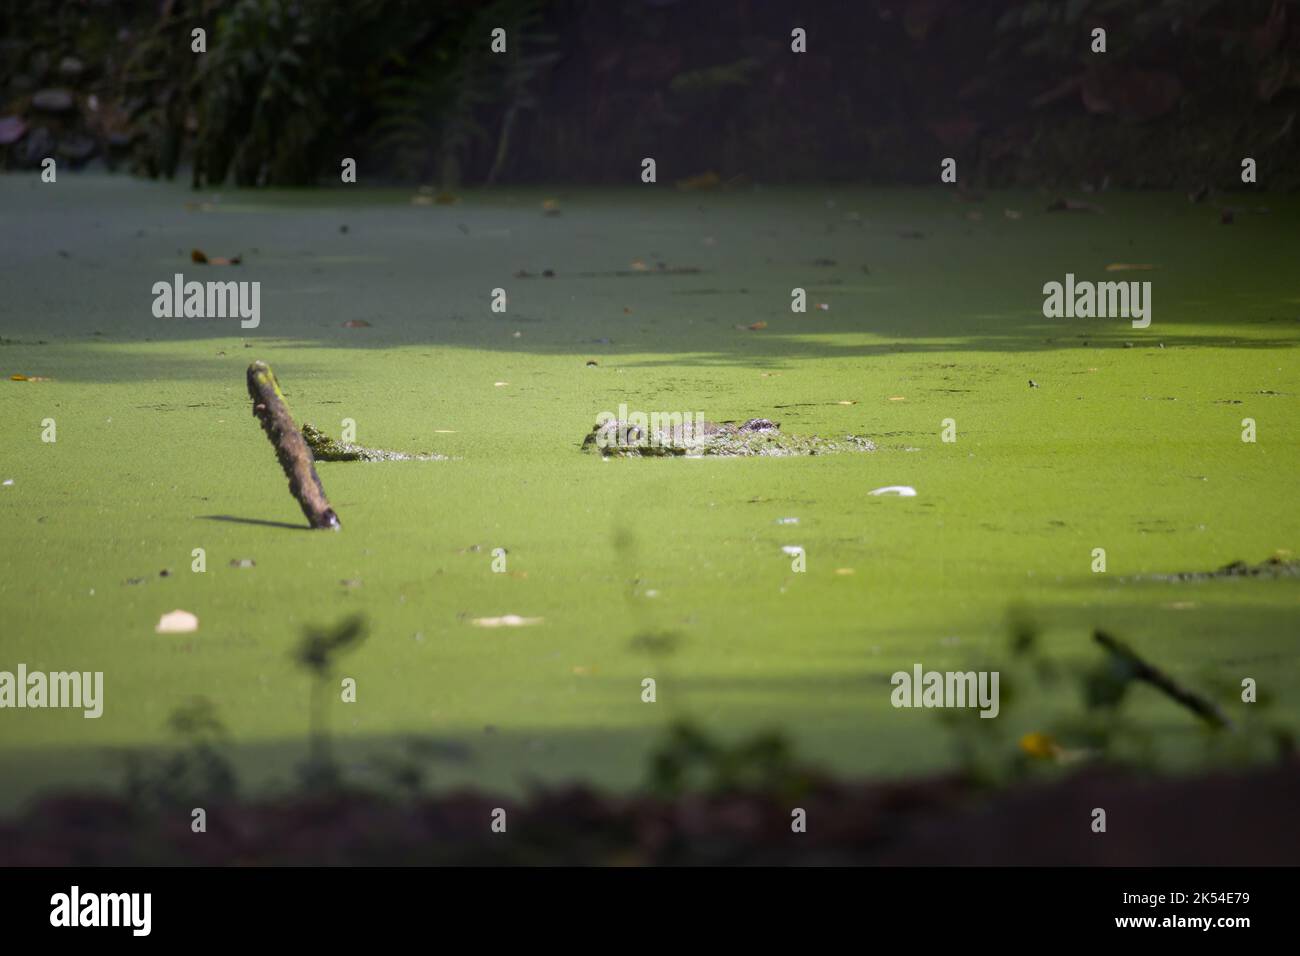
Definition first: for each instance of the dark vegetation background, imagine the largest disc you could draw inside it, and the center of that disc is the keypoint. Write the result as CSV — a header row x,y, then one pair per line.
x,y
410,90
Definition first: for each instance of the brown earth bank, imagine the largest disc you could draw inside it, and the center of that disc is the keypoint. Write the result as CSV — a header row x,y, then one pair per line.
x,y
1243,819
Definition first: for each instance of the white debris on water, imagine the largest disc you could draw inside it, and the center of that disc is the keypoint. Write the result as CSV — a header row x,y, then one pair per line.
x,y
177,622
507,620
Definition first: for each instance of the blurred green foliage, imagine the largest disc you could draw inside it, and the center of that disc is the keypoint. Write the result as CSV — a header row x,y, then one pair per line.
x,y
285,89
318,654
1102,731
196,772
412,90
289,88
692,760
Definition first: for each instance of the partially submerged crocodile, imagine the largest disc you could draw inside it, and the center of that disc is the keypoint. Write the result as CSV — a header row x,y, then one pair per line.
x,y
1275,566
755,437
324,448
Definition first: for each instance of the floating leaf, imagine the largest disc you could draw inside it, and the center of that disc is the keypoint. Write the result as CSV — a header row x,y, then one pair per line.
x,y
201,258
356,324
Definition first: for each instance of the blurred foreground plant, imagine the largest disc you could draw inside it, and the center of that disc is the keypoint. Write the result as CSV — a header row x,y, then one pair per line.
x,y
1103,731
197,773
692,760
318,653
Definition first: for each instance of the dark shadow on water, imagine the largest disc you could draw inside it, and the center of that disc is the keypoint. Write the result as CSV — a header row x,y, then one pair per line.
x,y
258,521
968,288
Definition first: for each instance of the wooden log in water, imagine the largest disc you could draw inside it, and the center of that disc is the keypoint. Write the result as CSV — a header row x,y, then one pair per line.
x,y
290,447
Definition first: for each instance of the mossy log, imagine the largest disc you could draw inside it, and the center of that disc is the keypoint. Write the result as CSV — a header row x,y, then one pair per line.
x,y
290,447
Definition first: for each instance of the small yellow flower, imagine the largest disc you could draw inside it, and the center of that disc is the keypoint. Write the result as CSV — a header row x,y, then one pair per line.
x,y
1040,746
